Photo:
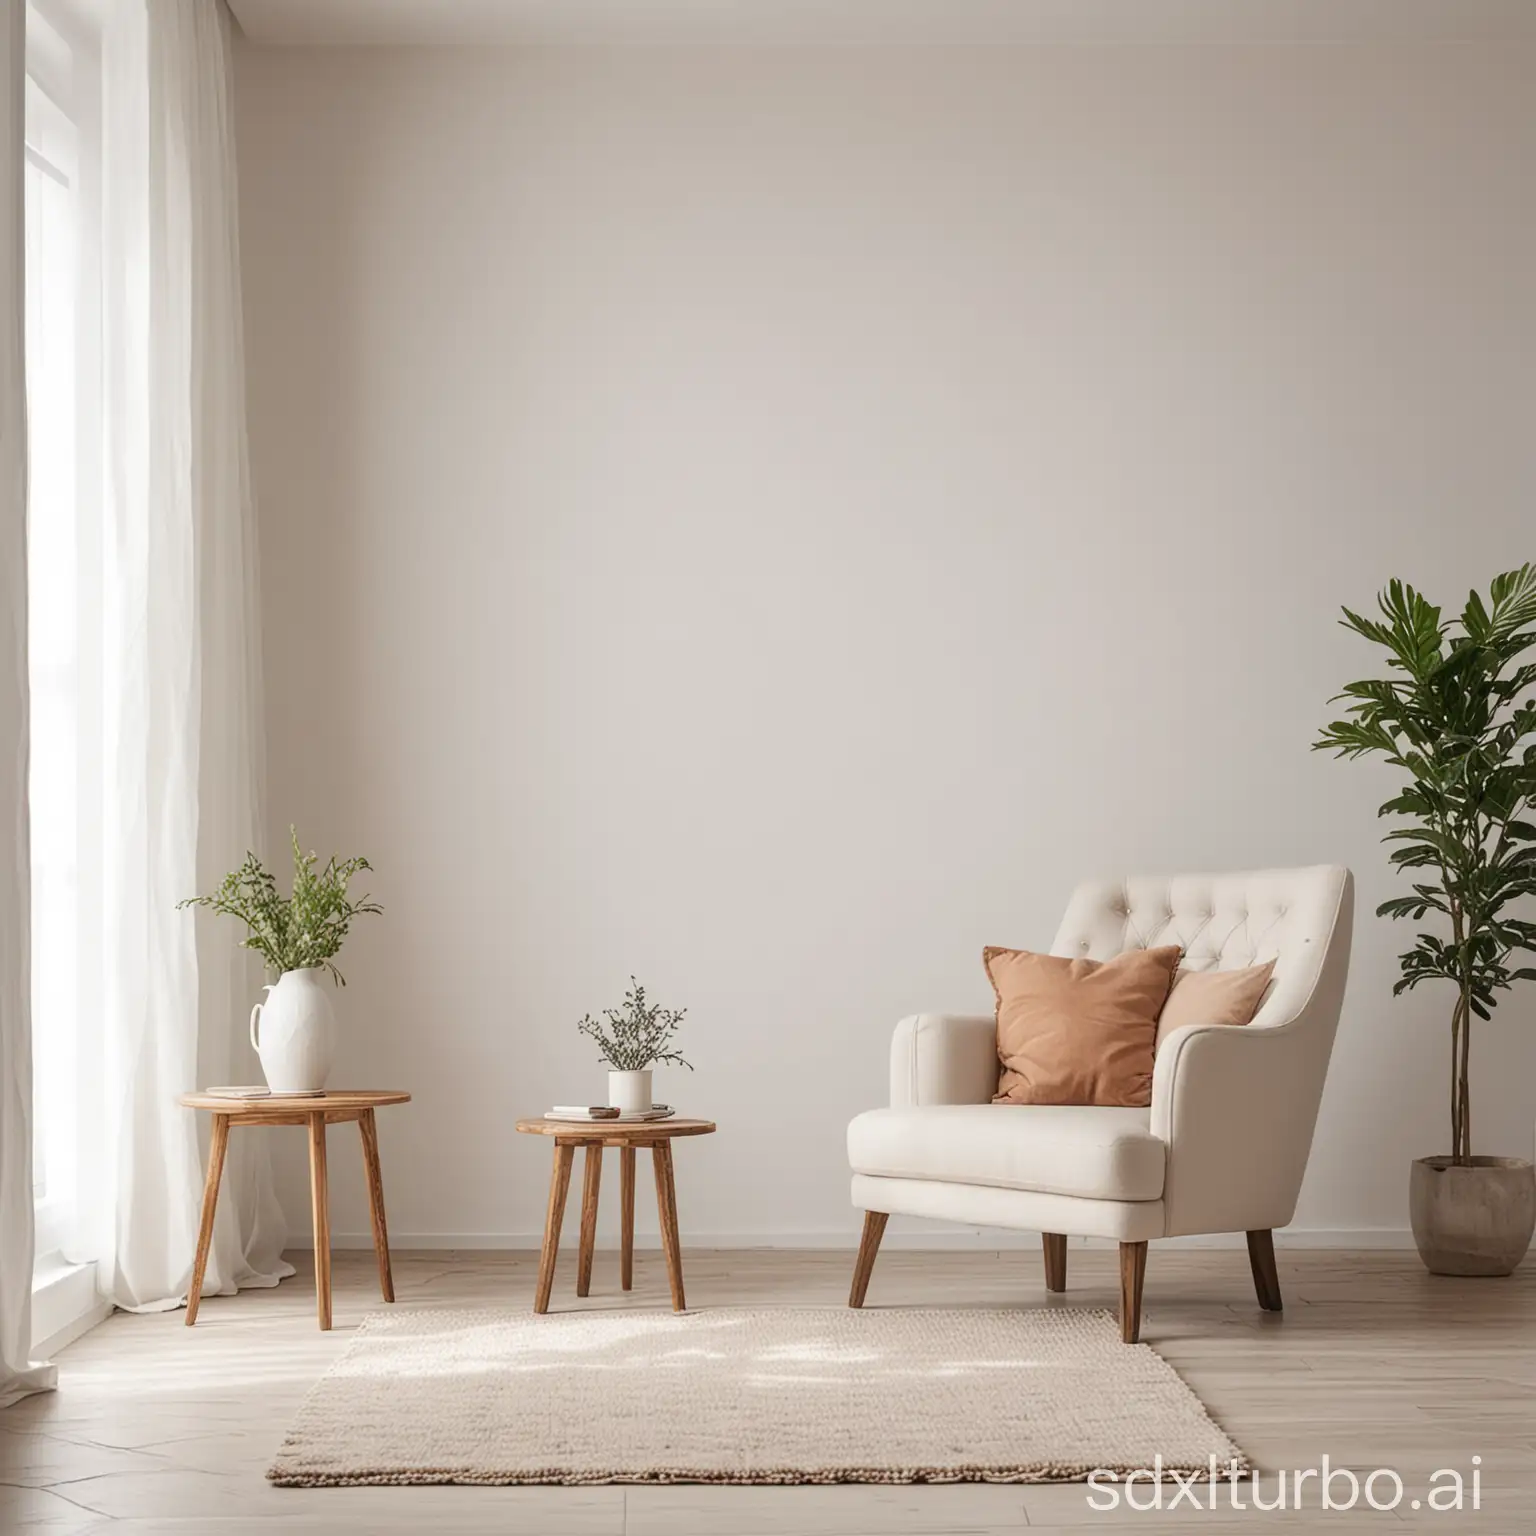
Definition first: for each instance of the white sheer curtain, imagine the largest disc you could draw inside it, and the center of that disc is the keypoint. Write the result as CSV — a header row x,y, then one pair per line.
x,y
176,631
18,1375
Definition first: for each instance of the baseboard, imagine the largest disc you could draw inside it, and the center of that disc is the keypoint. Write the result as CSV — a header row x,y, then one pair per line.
x,y
965,1240
46,1349
65,1304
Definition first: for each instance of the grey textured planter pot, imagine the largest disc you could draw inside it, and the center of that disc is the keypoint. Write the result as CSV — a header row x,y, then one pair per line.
x,y
1472,1221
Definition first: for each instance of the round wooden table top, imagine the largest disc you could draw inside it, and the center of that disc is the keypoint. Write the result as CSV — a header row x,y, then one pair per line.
x,y
617,1130
297,1103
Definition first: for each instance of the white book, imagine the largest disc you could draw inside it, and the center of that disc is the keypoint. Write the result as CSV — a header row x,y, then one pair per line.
x,y
253,1092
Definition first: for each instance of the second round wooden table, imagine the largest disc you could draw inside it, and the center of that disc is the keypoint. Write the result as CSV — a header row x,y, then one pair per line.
x,y
626,1135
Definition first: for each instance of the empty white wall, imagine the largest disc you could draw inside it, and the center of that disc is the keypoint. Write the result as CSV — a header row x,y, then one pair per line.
x,y
770,520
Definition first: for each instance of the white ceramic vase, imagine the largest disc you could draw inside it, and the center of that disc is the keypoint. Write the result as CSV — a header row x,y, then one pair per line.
x,y
294,1033
629,1092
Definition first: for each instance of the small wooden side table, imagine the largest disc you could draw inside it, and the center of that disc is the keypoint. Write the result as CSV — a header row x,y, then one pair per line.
x,y
626,1136
333,1108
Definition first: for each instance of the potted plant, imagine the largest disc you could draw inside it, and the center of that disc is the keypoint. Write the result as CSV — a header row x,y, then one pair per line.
x,y
299,937
632,1040
1457,714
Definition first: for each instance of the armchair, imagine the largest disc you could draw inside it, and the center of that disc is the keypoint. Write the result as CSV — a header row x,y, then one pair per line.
x,y
1224,1143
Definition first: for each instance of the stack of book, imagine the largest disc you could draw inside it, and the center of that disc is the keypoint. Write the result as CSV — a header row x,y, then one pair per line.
x,y
254,1092
606,1112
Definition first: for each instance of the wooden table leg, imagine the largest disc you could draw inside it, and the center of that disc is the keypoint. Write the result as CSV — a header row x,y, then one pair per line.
x,y
319,1196
216,1148
666,1208
370,1131
591,1178
627,1216
559,1183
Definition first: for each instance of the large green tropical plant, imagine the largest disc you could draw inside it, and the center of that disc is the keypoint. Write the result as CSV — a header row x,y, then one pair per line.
x,y
1458,716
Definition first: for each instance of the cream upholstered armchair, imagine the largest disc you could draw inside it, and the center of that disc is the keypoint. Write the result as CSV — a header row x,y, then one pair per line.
x,y
1224,1144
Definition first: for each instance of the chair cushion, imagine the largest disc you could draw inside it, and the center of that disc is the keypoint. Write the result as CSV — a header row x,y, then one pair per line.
x,y
1089,1151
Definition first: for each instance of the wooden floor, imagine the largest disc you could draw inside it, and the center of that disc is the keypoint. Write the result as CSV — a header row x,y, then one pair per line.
x,y
160,1428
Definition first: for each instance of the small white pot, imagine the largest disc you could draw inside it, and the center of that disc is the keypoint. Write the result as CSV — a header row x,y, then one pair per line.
x,y
296,1033
630,1091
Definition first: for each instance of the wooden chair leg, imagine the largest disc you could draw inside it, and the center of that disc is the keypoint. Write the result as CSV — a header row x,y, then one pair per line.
x,y
592,1177
319,1197
370,1133
1266,1277
559,1183
217,1144
627,1217
666,1208
1133,1270
1055,1246
869,1246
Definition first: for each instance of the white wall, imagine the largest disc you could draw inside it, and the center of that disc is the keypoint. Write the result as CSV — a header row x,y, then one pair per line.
x,y
770,520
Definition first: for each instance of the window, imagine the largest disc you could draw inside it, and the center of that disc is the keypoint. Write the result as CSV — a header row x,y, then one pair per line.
x,y
54,238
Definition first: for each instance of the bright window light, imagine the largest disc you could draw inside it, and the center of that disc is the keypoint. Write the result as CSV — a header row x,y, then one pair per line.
x,y
52,289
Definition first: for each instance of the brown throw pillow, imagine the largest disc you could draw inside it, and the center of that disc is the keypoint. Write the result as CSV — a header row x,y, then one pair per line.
x,y
1078,1031
1214,997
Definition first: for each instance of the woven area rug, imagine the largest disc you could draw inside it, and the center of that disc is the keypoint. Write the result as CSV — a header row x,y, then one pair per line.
x,y
781,1395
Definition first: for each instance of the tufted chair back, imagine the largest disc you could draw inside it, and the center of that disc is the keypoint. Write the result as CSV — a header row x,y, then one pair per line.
x,y
1222,923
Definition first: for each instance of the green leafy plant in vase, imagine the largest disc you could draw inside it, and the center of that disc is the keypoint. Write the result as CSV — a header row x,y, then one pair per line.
x,y
299,937
631,1039
1456,714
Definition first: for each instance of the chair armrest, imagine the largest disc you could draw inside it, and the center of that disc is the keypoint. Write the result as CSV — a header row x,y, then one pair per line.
x,y
944,1058
1236,1107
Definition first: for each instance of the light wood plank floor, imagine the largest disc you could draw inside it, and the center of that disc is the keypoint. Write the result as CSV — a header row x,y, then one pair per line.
x,y
158,1428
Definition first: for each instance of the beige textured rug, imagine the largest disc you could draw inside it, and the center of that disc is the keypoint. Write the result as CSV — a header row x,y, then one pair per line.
x,y
782,1395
